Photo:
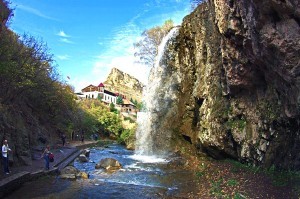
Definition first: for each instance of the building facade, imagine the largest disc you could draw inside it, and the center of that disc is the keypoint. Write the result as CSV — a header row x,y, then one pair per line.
x,y
99,92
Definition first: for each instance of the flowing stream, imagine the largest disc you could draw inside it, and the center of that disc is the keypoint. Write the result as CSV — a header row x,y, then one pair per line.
x,y
141,177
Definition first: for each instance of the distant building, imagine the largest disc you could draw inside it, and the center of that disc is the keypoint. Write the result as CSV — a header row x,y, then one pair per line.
x,y
128,107
98,92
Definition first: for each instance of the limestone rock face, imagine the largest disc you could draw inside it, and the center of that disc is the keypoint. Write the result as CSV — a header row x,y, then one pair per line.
x,y
238,62
118,81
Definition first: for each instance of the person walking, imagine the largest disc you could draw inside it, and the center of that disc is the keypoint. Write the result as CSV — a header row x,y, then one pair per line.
x,y
45,155
63,139
5,150
82,136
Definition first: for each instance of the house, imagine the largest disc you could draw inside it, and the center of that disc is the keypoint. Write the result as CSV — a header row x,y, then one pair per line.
x,y
99,92
128,107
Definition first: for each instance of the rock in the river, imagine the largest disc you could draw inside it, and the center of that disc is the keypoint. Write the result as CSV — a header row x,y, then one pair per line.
x,y
69,170
86,152
68,176
108,164
83,158
73,173
82,175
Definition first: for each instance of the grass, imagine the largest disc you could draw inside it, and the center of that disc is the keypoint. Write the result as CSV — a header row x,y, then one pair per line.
x,y
199,173
232,182
216,189
239,196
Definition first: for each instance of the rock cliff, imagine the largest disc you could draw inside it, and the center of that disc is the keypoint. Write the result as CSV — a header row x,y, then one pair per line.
x,y
238,95
118,81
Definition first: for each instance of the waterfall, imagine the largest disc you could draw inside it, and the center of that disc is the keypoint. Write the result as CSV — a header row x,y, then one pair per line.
x,y
153,137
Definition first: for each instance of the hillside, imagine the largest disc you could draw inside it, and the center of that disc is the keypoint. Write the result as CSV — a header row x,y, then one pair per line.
x,y
120,82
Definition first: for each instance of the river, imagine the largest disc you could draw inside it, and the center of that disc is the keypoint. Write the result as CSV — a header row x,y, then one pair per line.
x,y
140,177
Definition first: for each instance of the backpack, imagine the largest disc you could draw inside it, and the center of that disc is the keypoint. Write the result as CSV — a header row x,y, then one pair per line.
x,y
51,157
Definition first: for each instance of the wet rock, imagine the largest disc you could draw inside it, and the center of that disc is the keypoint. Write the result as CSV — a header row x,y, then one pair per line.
x,y
130,146
82,158
108,164
83,175
68,176
86,152
69,170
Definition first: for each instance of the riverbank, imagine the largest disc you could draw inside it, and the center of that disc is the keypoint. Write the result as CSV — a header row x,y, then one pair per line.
x,y
64,155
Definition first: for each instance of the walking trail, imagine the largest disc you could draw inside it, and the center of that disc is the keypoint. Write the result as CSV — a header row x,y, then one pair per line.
x,y
60,152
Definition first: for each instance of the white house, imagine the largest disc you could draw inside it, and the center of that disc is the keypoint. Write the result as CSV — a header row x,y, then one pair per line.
x,y
94,92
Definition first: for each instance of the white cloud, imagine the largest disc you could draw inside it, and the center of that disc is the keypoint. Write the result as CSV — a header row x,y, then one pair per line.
x,y
63,57
65,40
62,34
64,37
34,11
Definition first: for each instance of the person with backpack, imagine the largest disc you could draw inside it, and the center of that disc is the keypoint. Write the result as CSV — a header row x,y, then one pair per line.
x,y
46,157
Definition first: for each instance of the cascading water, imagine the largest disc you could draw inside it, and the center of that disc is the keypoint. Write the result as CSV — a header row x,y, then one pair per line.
x,y
153,136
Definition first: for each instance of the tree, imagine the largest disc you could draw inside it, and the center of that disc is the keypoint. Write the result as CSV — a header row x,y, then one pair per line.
x,y
147,47
119,100
112,108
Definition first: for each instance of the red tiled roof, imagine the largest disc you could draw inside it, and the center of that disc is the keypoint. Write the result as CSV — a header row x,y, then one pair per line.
x,y
101,85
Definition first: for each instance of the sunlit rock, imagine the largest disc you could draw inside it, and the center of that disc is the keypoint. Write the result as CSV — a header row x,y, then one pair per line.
x,y
108,164
82,175
68,176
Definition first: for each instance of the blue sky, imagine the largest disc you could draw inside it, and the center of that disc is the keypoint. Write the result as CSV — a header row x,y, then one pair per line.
x,y
89,37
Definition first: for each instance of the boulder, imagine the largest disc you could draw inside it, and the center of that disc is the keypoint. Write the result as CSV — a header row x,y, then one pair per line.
x,y
72,173
68,176
86,152
82,175
69,170
83,158
108,164
130,146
